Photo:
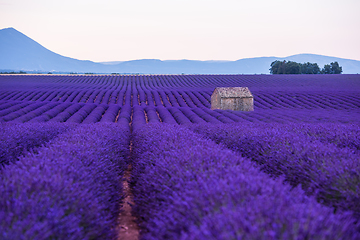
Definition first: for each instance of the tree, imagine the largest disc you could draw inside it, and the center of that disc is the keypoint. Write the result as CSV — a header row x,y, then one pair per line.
x,y
284,67
310,68
326,69
276,66
332,68
292,68
335,68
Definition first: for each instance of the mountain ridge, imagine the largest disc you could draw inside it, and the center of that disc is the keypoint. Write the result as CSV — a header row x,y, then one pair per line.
x,y
18,52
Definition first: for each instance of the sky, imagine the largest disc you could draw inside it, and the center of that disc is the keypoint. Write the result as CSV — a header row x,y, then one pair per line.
x,y
121,30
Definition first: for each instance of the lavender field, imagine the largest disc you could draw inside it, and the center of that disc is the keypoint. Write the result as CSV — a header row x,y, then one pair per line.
x,y
288,170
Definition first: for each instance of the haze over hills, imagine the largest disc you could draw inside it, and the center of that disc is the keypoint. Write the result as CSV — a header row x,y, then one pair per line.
x,y
19,52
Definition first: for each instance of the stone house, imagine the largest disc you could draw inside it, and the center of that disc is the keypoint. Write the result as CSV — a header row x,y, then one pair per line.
x,y
232,98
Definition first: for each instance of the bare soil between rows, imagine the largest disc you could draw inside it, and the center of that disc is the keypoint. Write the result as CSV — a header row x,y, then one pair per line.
x,y
128,228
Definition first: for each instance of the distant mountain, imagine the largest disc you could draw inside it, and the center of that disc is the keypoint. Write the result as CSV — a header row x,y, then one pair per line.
x,y
19,52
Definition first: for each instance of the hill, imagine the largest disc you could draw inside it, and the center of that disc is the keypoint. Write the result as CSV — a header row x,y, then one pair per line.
x,y
19,52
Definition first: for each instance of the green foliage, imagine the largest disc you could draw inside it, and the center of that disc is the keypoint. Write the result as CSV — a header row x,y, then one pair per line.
x,y
12,72
292,68
332,68
310,68
289,67
277,67
284,67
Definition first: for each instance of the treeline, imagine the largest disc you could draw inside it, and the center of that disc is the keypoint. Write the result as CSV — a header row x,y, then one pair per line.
x,y
289,67
12,72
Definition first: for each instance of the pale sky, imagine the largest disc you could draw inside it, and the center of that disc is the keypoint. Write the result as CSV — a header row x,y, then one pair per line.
x,y
120,30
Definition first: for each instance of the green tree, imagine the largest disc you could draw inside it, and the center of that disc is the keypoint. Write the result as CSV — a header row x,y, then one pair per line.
x,y
284,67
292,68
335,68
310,68
326,69
332,68
275,67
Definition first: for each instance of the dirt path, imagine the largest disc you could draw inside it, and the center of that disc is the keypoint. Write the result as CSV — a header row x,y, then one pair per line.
x,y
128,229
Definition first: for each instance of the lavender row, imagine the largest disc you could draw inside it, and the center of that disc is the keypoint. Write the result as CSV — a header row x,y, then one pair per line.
x,y
71,189
48,115
23,111
67,113
61,112
187,187
6,104
341,82
152,115
13,108
165,115
96,114
138,118
343,136
82,113
290,115
295,100
306,155
125,116
193,99
111,113
36,112
17,139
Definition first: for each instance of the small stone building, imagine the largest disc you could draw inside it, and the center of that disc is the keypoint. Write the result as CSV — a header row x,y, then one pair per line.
x,y
233,98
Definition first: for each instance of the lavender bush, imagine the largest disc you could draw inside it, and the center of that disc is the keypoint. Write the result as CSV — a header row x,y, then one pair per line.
x,y
71,189
305,154
186,187
17,139
46,116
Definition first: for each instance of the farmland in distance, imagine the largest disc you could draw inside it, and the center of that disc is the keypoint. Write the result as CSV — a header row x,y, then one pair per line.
x,y
176,98
290,169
